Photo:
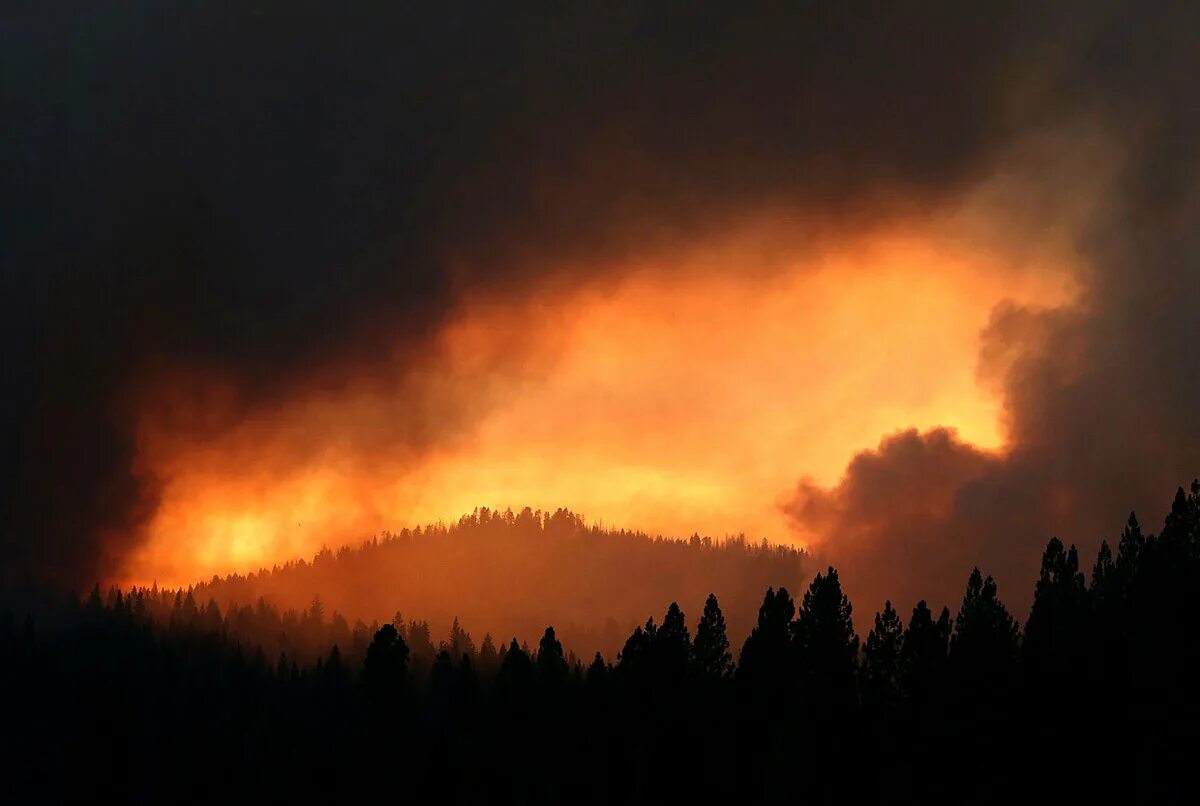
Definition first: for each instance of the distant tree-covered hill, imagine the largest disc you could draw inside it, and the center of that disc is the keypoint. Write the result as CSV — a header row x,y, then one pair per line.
x,y
509,574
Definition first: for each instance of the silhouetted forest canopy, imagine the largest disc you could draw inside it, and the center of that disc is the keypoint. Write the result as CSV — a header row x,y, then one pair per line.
x,y
148,695
513,573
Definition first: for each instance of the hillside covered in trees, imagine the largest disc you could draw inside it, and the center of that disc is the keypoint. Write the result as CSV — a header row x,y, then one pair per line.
x,y
509,574
145,695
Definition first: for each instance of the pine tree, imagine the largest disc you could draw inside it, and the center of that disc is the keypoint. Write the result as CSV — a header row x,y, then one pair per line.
x,y
489,659
672,647
514,681
1129,548
551,663
597,673
316,610
983,648
710,651
459,642
634,659
1180,524
881,658
385,668
420,644
826,644
211,617
924,649
766,663
1056,621
1103,569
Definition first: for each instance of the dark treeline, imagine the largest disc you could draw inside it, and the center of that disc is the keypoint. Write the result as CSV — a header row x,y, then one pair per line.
x,y
512,573
149,697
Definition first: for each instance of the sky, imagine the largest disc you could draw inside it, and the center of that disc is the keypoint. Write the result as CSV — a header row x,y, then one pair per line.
x,y
912,285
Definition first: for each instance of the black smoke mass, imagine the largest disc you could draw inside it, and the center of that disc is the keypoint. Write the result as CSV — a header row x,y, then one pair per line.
x,y
275,192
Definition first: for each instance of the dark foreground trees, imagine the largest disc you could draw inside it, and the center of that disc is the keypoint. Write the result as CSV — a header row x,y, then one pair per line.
x,y
149,697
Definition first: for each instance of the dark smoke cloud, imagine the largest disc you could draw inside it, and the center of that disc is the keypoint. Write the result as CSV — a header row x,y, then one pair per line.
x,y
270,191
1100,400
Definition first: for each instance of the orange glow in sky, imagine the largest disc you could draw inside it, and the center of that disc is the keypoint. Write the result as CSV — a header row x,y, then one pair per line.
x,y
678,396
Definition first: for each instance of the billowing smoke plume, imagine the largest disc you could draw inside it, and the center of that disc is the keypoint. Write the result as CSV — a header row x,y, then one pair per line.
x,y
1100,400
273,195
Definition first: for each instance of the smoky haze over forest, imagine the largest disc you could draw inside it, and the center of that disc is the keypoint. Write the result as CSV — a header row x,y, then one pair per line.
x,y
278,198
509,574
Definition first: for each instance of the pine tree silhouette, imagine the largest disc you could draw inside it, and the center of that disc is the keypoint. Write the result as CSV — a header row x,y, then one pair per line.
x,y
983,649
385,668
671,649
551,665
826,645
1056,627
923,653
489,658
710,651
881,659
634,661
515,680
767,664
597,672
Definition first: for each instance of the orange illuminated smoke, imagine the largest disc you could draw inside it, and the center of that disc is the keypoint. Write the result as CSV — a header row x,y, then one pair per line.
x,y
677,396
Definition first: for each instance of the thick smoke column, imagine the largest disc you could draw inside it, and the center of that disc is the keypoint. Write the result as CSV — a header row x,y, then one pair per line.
x,y
265,198
1101,399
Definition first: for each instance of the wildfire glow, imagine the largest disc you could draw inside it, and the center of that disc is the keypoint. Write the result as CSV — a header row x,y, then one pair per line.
x,y
677,396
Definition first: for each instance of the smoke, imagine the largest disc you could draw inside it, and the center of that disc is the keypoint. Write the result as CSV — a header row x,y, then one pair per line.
x,y
1099,398
213,208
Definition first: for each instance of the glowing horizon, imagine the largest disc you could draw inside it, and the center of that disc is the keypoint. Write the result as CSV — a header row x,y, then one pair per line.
x,y
683,397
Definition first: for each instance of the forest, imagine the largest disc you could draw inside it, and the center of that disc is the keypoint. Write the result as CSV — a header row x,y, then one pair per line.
x,y
151,696
523,570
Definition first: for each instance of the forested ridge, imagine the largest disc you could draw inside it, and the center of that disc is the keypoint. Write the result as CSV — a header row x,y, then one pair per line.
x,y
152,696
512,573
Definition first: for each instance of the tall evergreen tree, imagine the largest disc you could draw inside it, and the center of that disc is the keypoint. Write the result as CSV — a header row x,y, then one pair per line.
x,y
1057,619
515,680
923,652
421,648
385,668
634,660
551,663
459,642
672,647
983,649
1129,548
881,658
597,672
827,646
1103,569
767,663
710,651
1182,522
316,611
489,658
